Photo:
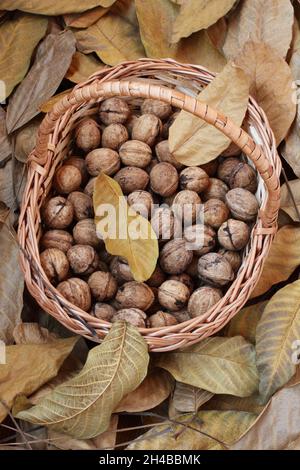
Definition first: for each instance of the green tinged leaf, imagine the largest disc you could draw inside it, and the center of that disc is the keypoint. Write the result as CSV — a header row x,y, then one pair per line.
x,y
82,406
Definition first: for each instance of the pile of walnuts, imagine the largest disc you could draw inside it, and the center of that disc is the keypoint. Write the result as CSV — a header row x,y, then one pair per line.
x,y
132,147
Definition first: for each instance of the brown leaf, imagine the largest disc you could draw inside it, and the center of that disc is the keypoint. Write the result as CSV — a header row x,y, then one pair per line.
x,y
32,333
52,61
12,181
187,398
217,33
85,19
245,322
29,366
271,85
221,402
82,67
282,259
18,38
44,7
252,21
198,14
25,139
290,151
4,213
287,202
5,146
48,105
154,389
112,38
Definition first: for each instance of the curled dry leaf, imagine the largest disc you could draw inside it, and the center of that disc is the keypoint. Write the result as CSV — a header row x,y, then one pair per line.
x,y
225,427
195,142
25,139
29,366
18,39
32,333
44,7
219,365
85,19
198,14
287,204
112,38
282,260
252,21
271,85
277,331
82,67
245,322
125,232
112,370
189,399
53,54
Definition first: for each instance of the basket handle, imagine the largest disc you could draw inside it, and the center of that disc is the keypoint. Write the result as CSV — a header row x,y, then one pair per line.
x,y
177,99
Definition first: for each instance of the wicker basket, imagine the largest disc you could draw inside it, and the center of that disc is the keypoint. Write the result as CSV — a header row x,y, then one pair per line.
x,y
173,83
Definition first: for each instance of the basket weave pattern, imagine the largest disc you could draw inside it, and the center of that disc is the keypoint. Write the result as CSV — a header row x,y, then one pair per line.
x,y
163,80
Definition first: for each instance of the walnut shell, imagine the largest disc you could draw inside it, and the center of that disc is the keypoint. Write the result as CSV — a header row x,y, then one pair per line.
x,y
114,110
164,179
57,239
159,108
215,213
243,176
135,316
55,264
217,189
194,178
210,167
157,277
214,269
175,256
103,160
84,233
226,167
83,259
234,235
103,311
135,294
79,163
67,179
201,239
186,206
120,270
242,204
103,285
163,154
233,257
77,292
173,295
168,124
185,279
141,202
114,136
202,300
87,135
135,153
58,213
161,319
192,267
132,179
182,315
163,223
82,204
147,128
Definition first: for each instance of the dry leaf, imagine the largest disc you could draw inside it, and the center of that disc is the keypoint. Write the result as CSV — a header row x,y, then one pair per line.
x,y
219,365
271,85
45,7
253,21
82,406
52,61
154,389
25,139
134,240
12,183
250,404
282,260
32,333
18,39
198,14
85,19
225,426
11,285
217,33
245,322
112,38
290,151
82,67
48,105
5,146
286,202
29,366
195,142
188,399
276,334
4,213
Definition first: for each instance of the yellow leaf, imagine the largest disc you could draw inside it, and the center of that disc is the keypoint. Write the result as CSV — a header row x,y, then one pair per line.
x,y
252,21
286,201
44,7
82,67
271,85
82,406
134,240
282,260
18,39
187,398
245,322
219,365
276,333
193,141
198,14
29,366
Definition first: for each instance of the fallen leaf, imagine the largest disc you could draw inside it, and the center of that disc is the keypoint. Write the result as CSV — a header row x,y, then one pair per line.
x,y
12,182
276,334
44,7
82,406
224,427
217,33
286,202
154,389
188,399
82,67
252,21
221,402
134,239
18,39
245,322
219,365
25,139
85,19
282,260
32,333
11,285
29,366
4,213
112,38
290,150
271,85
51,63
195,142
48,105
198,14
5,146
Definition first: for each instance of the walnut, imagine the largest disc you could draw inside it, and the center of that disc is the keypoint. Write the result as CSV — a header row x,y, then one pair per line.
x,y
82,204
163,223
141,202
103,311
58,213
87,135
157,277
217,189
130,123
243,176
214,269
84,233
105,256
215,213
234,235
173,295
89,189
105,160
175,256
135,316
210,168
226,167
132,179
135,295
57,239
242,204
55,264
79,163
114,110
120,270
103,285
114,136
202,300
135,153
168,124
182,315
147,128
164,179
185,279
233,257
161,319
159,108
186,205
194,178
201,239
192,267
163,154
67,179
77,292
83,259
